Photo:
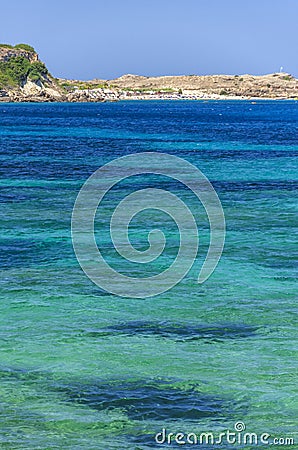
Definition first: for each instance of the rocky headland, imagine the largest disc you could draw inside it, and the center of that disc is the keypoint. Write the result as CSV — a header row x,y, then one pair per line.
x,y
24,78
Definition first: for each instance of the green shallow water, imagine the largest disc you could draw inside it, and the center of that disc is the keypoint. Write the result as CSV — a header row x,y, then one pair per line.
x,y
83,369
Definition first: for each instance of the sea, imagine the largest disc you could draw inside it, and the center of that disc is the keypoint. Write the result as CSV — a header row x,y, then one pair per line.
x,y
84,369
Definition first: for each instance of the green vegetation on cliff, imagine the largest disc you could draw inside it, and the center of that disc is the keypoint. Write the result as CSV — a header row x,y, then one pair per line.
x,y
19,63
25,47
6,45
16,70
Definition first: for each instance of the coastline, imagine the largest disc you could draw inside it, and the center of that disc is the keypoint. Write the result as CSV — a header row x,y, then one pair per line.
x,y
24,78
37,100
102,95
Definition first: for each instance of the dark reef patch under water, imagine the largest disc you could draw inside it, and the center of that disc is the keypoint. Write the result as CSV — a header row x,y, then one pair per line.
x,y
140,399
147,399
177,331
148,404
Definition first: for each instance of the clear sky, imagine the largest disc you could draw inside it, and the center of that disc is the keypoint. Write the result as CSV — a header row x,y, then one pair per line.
x,y
105,39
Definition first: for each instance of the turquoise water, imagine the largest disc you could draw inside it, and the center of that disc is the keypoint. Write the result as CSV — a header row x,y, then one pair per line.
x,y
83,369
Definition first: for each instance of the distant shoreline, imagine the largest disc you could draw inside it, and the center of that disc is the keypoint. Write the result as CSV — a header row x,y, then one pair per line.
x,y
251,100
24,78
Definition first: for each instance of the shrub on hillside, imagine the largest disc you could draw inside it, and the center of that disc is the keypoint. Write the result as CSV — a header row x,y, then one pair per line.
x,y
26,47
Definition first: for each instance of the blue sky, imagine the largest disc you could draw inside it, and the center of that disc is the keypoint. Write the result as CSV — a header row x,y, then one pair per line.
x,y
105,39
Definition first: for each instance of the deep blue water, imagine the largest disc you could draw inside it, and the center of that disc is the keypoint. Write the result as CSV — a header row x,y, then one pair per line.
x,y
84,369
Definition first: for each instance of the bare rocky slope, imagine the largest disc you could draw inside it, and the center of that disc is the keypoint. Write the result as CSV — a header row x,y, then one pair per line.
x,y
277,85
23,77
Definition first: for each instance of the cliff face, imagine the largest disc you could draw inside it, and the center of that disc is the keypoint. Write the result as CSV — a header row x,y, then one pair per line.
x,y
6,53
23,77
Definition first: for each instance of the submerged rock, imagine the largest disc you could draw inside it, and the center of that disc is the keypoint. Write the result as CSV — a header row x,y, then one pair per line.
x,y
147,399
177,331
